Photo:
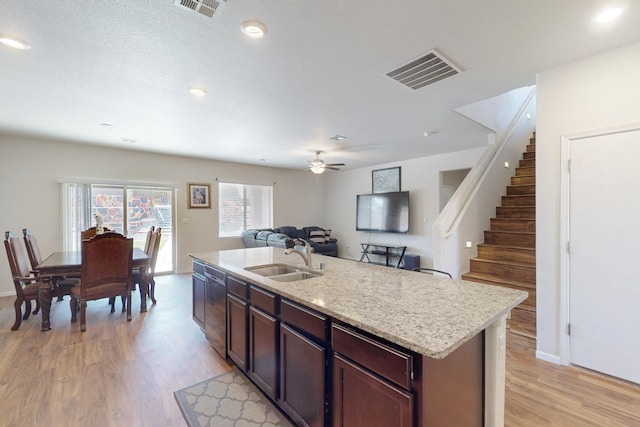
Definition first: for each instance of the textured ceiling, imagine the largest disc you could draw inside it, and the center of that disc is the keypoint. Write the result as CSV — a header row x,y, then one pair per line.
x,y
320,71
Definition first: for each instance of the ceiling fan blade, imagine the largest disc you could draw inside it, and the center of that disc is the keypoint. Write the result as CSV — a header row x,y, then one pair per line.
x,y
335,164
331,167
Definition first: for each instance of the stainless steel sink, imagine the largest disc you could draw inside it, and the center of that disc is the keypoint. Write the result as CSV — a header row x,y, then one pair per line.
x,y
272,269
292,277
282,272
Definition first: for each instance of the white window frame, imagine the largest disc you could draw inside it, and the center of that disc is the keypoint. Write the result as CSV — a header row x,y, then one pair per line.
x,y
268,223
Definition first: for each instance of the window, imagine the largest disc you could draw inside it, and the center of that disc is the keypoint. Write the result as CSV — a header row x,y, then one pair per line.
x,y
243,206
129,210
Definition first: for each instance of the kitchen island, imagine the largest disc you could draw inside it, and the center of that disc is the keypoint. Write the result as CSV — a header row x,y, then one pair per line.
x,y
426,350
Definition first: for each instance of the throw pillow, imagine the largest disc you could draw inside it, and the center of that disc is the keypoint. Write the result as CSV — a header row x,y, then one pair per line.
x,y
317,236
327,236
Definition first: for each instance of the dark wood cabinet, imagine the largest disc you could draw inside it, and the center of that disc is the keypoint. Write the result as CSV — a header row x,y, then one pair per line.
x,y
372,381
198,293
237,331
361,398
302,378
263,351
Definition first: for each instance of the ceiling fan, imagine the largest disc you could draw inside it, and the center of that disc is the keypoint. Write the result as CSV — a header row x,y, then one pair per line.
x,y
318,166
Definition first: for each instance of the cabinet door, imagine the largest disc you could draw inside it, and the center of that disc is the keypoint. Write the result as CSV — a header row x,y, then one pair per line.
x,y
361,398
263,351
302,373
237,332
198,286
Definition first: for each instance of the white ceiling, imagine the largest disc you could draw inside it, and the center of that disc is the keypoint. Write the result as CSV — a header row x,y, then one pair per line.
x,y
320,71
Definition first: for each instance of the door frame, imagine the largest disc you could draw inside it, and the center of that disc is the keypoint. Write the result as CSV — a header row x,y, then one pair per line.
x,y
565,238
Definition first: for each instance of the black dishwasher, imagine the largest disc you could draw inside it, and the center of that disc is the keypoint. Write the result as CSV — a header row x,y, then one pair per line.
x,y
215,318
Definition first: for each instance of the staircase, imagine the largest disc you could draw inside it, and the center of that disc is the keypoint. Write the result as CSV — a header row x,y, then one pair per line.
x,y
508,255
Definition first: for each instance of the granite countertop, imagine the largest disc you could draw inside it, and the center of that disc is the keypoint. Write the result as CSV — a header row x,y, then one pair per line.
x,y
427,314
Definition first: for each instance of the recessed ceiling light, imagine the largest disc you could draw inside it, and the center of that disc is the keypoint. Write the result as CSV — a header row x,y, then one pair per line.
x,y
129,140
197,91
14,42
338,138
254,29
609,14
106,125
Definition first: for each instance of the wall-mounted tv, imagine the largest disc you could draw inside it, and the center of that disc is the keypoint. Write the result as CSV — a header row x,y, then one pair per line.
x,y
383,212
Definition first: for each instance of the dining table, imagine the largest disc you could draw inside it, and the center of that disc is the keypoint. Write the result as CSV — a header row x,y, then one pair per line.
x,y
69,264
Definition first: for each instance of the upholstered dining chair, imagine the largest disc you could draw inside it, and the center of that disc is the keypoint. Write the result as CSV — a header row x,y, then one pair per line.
x,y
106,273
25,284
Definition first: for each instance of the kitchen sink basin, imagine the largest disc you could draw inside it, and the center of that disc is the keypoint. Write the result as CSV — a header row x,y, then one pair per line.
x,y
272,269
292,277
282,272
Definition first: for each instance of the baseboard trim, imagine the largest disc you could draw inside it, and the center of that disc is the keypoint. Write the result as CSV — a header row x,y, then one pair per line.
x,y
548,357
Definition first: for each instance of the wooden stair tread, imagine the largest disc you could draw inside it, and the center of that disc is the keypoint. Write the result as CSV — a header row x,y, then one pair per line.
x,y
513,232
494,280
519,248
504,262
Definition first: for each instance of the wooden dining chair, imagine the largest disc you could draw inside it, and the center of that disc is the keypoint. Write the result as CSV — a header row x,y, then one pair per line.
x,y
106,273
25,283
149,245
62,282
153,254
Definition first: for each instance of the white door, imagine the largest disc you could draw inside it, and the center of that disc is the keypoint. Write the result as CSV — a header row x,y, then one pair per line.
x,y
604,227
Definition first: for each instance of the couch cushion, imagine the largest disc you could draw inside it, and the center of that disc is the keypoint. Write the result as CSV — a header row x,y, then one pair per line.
x,y
317,236
327,236
250,233
263,235
289,231
280,240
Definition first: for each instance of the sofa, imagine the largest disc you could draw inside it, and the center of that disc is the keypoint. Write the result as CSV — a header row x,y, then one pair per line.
x,y
319,238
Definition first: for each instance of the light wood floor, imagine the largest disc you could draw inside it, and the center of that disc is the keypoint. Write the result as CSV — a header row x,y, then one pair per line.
x,y
124,374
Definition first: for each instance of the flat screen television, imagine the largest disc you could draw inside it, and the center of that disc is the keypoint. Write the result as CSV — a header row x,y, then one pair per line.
x,y
383,212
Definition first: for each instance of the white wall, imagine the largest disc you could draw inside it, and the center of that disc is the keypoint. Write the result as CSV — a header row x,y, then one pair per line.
x,y
588,95
419,176
30,191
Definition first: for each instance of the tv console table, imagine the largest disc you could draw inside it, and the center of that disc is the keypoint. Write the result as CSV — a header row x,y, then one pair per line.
x,y
388,251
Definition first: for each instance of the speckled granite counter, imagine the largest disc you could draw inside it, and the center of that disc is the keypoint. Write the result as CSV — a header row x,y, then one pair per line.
x,y
429,315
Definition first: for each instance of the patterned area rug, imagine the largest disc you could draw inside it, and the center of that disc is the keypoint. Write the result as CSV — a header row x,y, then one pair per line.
x,y
229,399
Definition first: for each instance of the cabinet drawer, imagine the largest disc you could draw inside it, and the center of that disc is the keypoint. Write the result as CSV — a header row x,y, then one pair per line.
x,y
237,287
392,364
264,300
198,268
214,273
304,319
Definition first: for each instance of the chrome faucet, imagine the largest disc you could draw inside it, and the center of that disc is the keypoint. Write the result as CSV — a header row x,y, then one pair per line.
x,y
306,255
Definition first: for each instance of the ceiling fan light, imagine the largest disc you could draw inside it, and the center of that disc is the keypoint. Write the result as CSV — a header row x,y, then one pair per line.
x,y
316,168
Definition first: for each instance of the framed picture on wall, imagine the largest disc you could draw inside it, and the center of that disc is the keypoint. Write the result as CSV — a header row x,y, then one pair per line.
x,y
385,180
199,195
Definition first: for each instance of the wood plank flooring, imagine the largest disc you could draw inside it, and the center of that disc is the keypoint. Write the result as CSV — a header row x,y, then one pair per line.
x,y
124,374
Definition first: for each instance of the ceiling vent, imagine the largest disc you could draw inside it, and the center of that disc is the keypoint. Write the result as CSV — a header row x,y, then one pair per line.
x,y
203,7
425,70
